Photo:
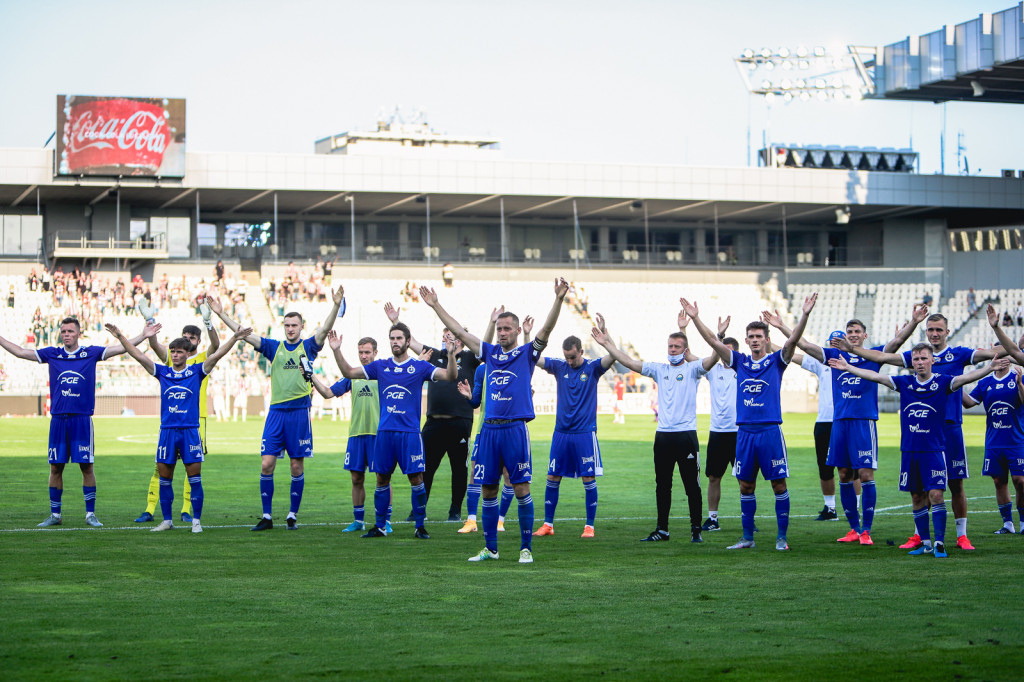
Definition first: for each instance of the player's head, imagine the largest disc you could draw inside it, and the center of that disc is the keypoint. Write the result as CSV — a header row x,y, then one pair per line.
x,y
367,350
731,342
856,332
757,336
450,340
70,331
677,343
292,327
921,357
398,337
936,329
507,328
178,351
572,349
192,333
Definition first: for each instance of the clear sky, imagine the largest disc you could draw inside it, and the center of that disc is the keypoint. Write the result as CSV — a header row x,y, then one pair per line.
x,y
643,81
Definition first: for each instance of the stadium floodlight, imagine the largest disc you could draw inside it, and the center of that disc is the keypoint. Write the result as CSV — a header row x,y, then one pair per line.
x,y
837,75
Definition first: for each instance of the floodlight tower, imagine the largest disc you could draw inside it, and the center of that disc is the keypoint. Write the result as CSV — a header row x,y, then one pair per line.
x,y
803,74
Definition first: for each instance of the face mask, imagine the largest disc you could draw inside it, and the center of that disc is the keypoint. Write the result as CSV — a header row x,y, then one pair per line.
x,y
676,360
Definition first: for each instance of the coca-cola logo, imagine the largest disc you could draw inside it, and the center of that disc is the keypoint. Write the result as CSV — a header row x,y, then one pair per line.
x,y
120,136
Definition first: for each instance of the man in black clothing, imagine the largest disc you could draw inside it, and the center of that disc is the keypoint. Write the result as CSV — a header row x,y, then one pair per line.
x,y
449,423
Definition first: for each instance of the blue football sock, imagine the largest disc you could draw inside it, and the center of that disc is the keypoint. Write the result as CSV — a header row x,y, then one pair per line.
x,y
939,521
848,498
267,493
507,494
490,514
748,507
381,505
197,496
782,512
298,484
472,500
55,495
525,520
419,503
1020,514
550,502
1004,511
89,492
869,497
359,513
590,496
166,498
921,524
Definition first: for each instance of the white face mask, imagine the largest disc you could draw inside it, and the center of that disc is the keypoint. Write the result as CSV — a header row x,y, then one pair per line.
x,y
676,360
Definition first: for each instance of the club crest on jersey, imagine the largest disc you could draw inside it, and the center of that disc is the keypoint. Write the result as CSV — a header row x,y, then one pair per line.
x,y
82,354
934,386
583,377
948,357
679,377
411,370
1012,384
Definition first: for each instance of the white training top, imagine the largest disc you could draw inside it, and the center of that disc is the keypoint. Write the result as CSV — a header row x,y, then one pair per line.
x,y
824,374
722,380
677,393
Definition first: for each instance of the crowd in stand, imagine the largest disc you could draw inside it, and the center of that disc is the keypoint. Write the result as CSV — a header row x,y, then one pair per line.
x,y
299,286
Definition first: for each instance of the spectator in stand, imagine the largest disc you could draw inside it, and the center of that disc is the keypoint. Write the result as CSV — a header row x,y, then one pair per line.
x,y
1019,312
927,299
218,270
448,275
328,271
972,302
291,272
1007,320
10,298
620,390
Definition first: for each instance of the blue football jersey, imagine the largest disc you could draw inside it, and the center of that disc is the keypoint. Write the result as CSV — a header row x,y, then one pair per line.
x,y
179,395
758,388
509,373
922,411
952,361
577,394
401,391
853,397
72,377
1002,409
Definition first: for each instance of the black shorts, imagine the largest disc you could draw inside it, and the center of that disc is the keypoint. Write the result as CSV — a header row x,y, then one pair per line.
x,y
721,453
822,436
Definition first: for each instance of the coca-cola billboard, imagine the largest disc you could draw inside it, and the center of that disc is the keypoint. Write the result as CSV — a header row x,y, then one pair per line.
x,y
120,136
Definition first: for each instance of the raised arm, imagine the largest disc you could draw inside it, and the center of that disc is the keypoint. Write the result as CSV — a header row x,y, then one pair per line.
x,y
723,351
527,328
682,320
812,349
1011,348
451,373
114,351
488,336
224,349
976,374
17,351
919,315
347,370
392,313
880,357
321,334
321,388
790,346
132,349
471,342
159,349
561,289
211,332
600,334
842,365
218,308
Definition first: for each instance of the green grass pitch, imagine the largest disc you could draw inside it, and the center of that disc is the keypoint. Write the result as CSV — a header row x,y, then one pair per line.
x,y
122,603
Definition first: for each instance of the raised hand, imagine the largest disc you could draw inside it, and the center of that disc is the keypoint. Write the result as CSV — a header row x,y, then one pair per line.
x,y
809,302
1001,363
334,339
993,316
239,335
772,319
920,313
426,354
497,312
682,320
113,330
391,312
215,304
151,330
689,308
723,325
465,390
599,322
339,294
528,324
839,363
561,288
428,296
842,343
600,336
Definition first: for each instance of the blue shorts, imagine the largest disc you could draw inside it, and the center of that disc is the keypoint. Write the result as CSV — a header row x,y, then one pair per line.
x,y
761,448
575,455
1002,461
921,471
404,448
359,452
471,460
288,431
505,445
174,444
853,444
956,451
70,439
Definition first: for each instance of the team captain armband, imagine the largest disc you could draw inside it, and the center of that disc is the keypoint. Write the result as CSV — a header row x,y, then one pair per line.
x,y
540,345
